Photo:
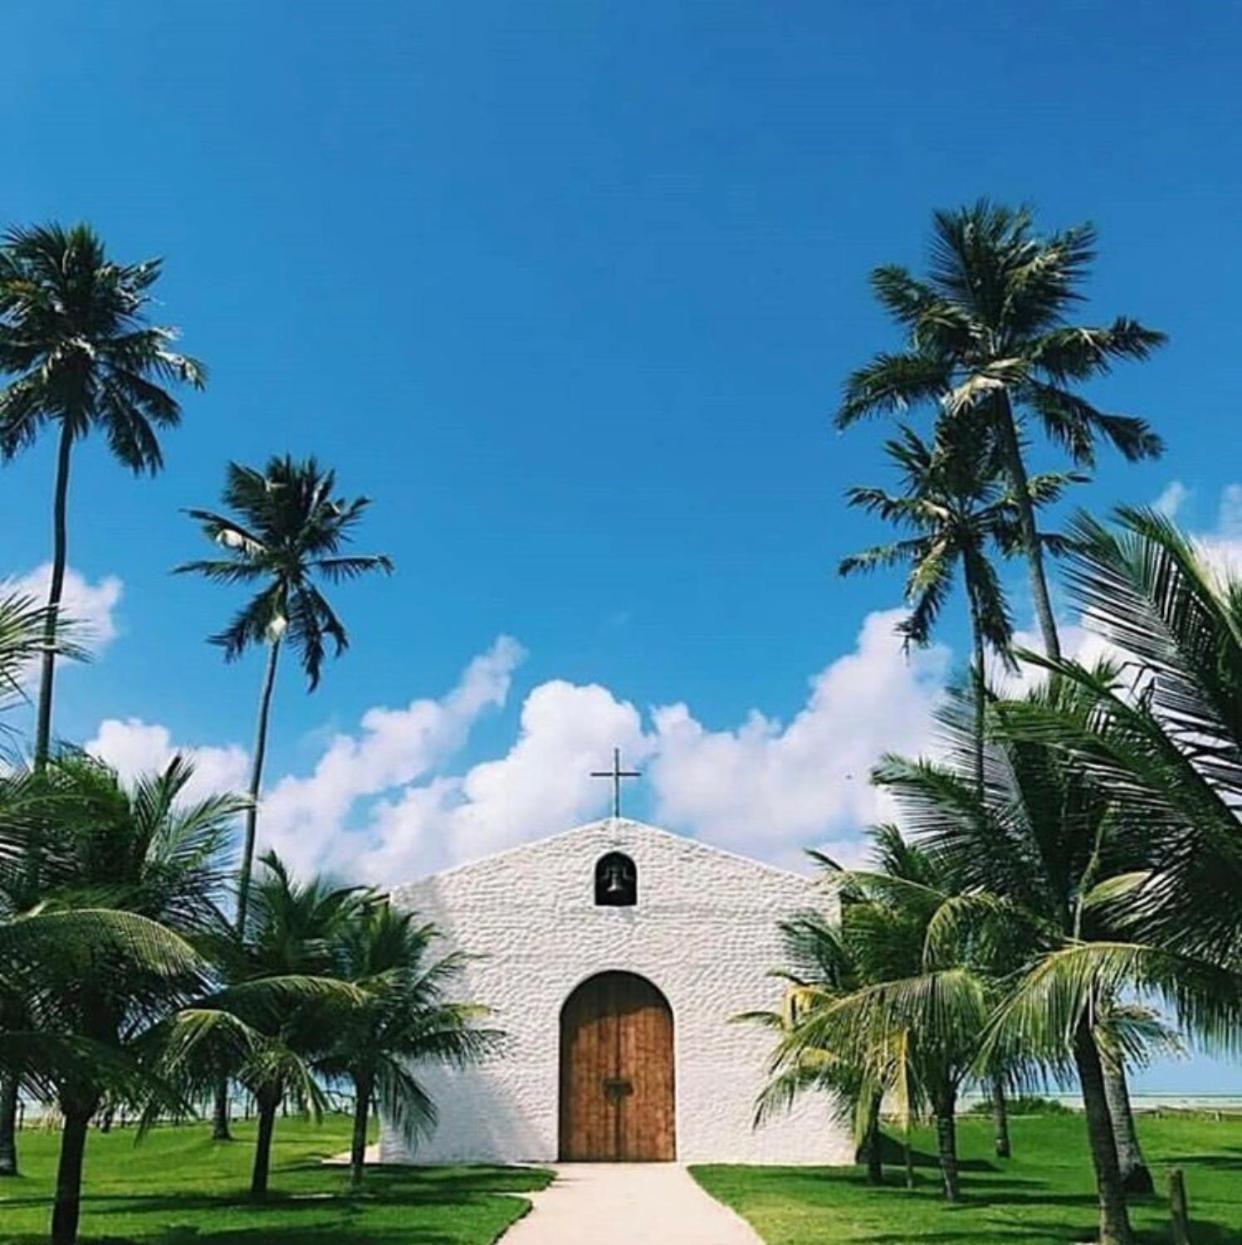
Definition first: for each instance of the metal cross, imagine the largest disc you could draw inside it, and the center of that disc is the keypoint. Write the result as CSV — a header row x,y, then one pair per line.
x,y
616,774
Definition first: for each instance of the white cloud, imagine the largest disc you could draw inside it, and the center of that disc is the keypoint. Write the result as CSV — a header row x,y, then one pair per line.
x,y
1223,547
1230,517
132,747
1078,643
1172,499
763,788
303,818
774,789
540,785
91,607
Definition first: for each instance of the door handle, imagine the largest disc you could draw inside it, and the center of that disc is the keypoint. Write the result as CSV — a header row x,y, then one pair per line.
x,y
617,1087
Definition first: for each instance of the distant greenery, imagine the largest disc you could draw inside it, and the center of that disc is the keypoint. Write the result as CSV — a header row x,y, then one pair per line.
x,y
1044,1195
177,1187
1025,1104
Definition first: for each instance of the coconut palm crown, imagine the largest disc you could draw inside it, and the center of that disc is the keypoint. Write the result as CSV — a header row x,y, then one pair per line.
x,y
954,504
988,334
284,530
75,339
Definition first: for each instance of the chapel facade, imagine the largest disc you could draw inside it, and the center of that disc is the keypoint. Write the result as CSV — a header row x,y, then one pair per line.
x,y
614,957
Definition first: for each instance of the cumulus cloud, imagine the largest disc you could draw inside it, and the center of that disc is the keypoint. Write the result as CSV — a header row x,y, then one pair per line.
x,y
132,747
1172,498
764,787
540,785
776,788
1223,546
303,817
91,607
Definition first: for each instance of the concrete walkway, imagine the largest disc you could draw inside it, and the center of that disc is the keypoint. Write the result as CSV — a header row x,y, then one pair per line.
x,y
627,1204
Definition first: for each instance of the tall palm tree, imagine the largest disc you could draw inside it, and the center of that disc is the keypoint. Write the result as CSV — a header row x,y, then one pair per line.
x,y
954,503
285,531
402,1018
987,334
75,338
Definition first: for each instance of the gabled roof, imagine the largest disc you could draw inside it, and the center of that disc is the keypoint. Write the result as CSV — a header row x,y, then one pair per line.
x,y
624,825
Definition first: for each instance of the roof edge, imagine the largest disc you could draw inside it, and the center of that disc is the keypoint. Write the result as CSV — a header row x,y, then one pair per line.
x,y
598,824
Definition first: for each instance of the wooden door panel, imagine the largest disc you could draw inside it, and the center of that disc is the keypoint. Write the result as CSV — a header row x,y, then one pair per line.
x,y
617,1091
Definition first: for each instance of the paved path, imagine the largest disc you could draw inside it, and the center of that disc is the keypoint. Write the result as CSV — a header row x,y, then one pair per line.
x,y
627,1204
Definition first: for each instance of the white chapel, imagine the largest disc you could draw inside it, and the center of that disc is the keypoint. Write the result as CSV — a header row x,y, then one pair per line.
x,y
614,957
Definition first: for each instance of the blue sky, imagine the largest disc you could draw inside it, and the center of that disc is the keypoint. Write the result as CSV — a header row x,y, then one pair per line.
x,y
570,290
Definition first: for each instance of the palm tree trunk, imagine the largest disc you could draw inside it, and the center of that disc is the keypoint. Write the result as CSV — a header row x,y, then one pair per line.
x,y
1000,1117
1114,1216
220,1113
43,733
945,1108
1011,449
67,1208
256,782
981,687
871,1151
60,552
1135,1174
268,1102
1000,1113
358,1145
8,1126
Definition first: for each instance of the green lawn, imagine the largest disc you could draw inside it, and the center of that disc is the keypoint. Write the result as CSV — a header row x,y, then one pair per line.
x,y
1043,1196
177,1188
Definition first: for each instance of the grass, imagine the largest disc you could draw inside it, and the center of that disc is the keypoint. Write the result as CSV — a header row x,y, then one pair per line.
x,y
1043,1196
178,1188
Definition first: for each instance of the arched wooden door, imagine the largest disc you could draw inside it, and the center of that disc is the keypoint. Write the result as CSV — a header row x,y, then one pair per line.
x,y
617,1102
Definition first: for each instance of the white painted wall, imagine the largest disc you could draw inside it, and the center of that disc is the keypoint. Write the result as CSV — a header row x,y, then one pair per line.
x,y
704,931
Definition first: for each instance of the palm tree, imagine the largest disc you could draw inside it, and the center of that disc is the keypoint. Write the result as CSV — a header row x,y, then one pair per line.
x,y
293,932
1165,729
954,503
1041,858
23,637
288,532
1166,735
130,882
75,338
916,1015
401,1019
987,336
824,965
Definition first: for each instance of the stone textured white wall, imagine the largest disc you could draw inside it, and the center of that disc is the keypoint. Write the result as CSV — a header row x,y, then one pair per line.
x,y
704,932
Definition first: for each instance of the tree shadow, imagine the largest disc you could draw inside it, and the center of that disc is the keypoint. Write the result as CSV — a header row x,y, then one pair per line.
x,y
893,1154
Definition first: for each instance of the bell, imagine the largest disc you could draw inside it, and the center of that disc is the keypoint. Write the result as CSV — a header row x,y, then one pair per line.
x,y
614,883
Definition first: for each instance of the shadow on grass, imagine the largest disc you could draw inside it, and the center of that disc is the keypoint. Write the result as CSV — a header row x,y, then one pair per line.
x,y
260,1235
893,1155
295,1213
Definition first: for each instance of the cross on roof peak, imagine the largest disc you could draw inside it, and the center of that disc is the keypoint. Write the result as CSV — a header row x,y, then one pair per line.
x,y
616,774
